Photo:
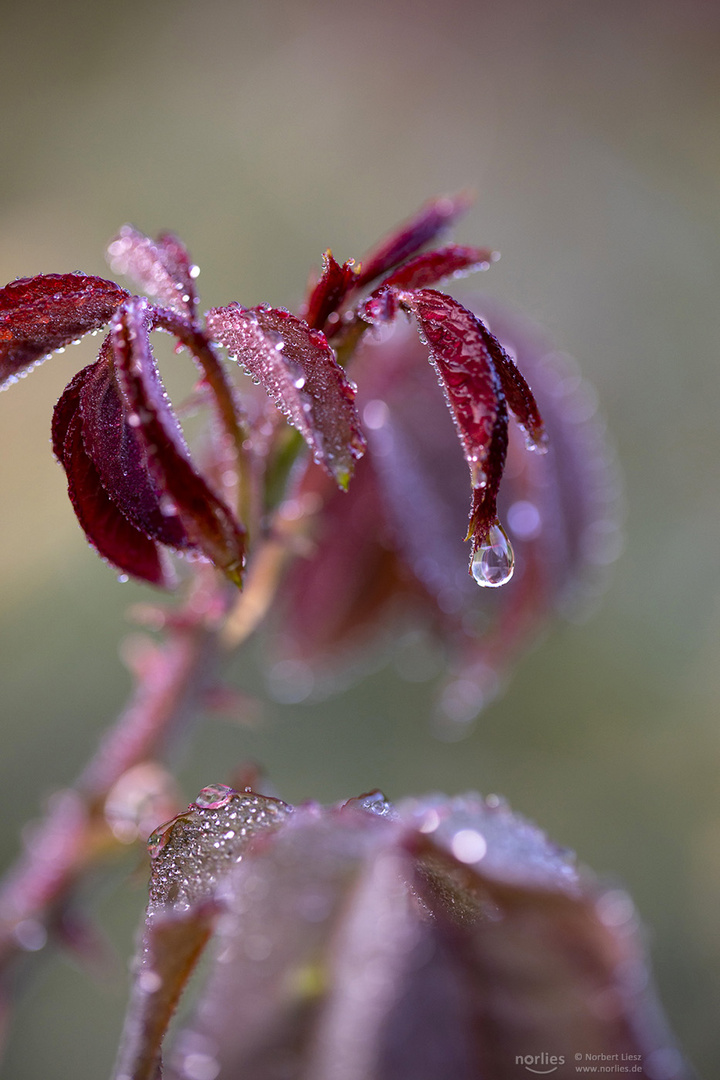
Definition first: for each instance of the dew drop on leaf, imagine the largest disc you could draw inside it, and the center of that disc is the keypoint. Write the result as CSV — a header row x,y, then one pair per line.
x,y
158,839
214,796
494,561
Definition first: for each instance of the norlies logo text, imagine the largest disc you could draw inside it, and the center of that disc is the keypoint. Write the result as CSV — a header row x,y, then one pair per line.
x,y
541,1064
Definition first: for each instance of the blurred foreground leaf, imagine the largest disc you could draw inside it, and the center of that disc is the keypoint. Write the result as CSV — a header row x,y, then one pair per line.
x,y
444,938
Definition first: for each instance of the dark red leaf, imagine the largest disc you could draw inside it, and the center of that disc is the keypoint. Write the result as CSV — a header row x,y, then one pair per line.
x,y
438,214
517,392
333,286
298,370
560,509
41,314
107,529
118,454
207,520
459,353
432,266
162,268
65,409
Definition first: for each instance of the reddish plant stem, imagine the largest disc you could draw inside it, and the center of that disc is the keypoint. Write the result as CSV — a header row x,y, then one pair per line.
x,y
196,341
170,684
75,832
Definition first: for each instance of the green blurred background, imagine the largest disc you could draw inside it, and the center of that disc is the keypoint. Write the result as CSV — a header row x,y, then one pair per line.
x,y
263,133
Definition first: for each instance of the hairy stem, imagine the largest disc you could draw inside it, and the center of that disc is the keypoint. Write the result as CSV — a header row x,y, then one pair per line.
x,y
75,833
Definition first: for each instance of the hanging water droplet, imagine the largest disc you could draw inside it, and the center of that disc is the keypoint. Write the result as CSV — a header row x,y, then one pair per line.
x,y
494,561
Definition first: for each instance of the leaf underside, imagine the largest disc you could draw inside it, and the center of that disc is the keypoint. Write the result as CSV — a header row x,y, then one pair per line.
x,y
105,526
208,522
421,229
117,451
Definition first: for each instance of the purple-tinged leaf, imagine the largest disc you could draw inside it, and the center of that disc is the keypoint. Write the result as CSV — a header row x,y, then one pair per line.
x,y
333,286
486,834
162,268
171,946
433,266
207,520
108,530
548,961
335,597
118,454
41,314
446,939
421,229
459,353
308,972
191,855
298,370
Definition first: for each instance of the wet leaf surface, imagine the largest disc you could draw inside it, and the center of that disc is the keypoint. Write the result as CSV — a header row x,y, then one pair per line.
x,y
433,266
422,228
118,454
192,856
207,521
328,294
468,376
42,314
162,268
448,935
114,537
298,370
